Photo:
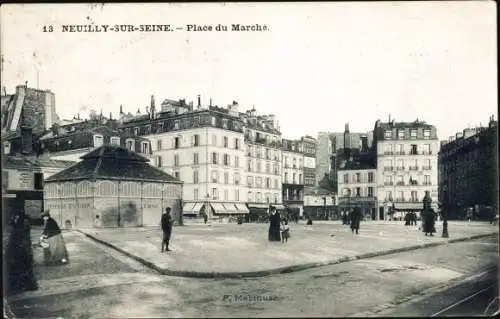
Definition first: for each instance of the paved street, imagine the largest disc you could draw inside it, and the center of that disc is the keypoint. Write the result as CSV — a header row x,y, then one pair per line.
x,y
244,248
99,282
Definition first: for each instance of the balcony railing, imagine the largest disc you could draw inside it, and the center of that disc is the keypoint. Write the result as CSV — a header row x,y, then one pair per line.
x,y
413,168
413,183
426,168
388,183
400,168
388,153
388,168
400,183
427,183
400,153
427,152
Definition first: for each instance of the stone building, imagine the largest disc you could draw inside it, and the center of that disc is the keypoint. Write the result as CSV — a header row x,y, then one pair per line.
x,y
263,165
112,187
23,173
293,176
308,145
407,156
203,147
358,186
320,203
28,107
468,173
334,148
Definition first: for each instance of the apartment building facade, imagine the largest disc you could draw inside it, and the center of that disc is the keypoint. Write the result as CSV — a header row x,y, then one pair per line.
x,y
468,173
204,148
263,161
358,188
407,158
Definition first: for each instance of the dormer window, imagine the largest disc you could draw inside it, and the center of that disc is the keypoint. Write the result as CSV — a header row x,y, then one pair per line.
x,y
98,140
115,140
176,124
6,148
213,120
401,134
136,131
224,123
388,134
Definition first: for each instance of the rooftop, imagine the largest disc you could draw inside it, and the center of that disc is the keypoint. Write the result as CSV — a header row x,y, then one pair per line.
x,y
116,163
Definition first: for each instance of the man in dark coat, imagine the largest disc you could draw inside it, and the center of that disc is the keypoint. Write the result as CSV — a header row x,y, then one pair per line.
x,y
166,227
428,220
355,219
19,256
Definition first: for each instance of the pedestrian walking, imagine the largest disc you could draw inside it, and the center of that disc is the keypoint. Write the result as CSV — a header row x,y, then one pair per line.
x,y
19,255
54,251
166,227
355,220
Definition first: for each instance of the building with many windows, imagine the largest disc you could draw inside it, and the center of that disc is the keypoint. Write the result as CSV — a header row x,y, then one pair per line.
x,y
407,155
202,147
468,173
293,176
263,158
308,145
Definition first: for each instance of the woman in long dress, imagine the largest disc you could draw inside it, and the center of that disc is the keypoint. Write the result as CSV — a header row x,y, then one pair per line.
x,y
19,256
274,225
55,253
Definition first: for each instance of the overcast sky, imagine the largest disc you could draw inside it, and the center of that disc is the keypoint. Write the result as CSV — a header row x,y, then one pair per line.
x,y
319,66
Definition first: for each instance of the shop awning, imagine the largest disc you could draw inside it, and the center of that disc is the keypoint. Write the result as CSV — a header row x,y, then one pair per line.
x,y
409,206
230,208
192,208
242,208
253,205
218,208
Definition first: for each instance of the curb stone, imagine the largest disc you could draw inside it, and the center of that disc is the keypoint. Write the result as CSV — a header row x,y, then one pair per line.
x,y
276,271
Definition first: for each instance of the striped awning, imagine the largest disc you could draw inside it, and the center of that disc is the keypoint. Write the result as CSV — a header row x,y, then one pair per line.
x,y
409,206
242,208
219,208
230,208
192,208
255,205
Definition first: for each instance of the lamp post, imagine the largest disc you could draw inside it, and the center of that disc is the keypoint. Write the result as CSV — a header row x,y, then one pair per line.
x,y
324,207
445,215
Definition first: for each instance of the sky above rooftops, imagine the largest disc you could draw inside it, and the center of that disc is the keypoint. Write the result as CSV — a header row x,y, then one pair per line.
x,y
319,66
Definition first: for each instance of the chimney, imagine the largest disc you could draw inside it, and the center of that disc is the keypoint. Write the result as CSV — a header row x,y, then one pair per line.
x,y
364,143
346,130
26,84
210,101
199,101
152,107
4,90
121,109
389,119
110,115
27,139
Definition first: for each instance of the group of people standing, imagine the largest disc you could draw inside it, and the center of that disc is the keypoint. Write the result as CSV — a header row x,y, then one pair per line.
x,y
18,253
411,219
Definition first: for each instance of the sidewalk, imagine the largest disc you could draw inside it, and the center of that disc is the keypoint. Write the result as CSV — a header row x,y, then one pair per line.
x,y
231,250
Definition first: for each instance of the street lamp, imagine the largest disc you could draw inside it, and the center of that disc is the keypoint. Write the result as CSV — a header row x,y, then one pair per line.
x,y
324,207
445,215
